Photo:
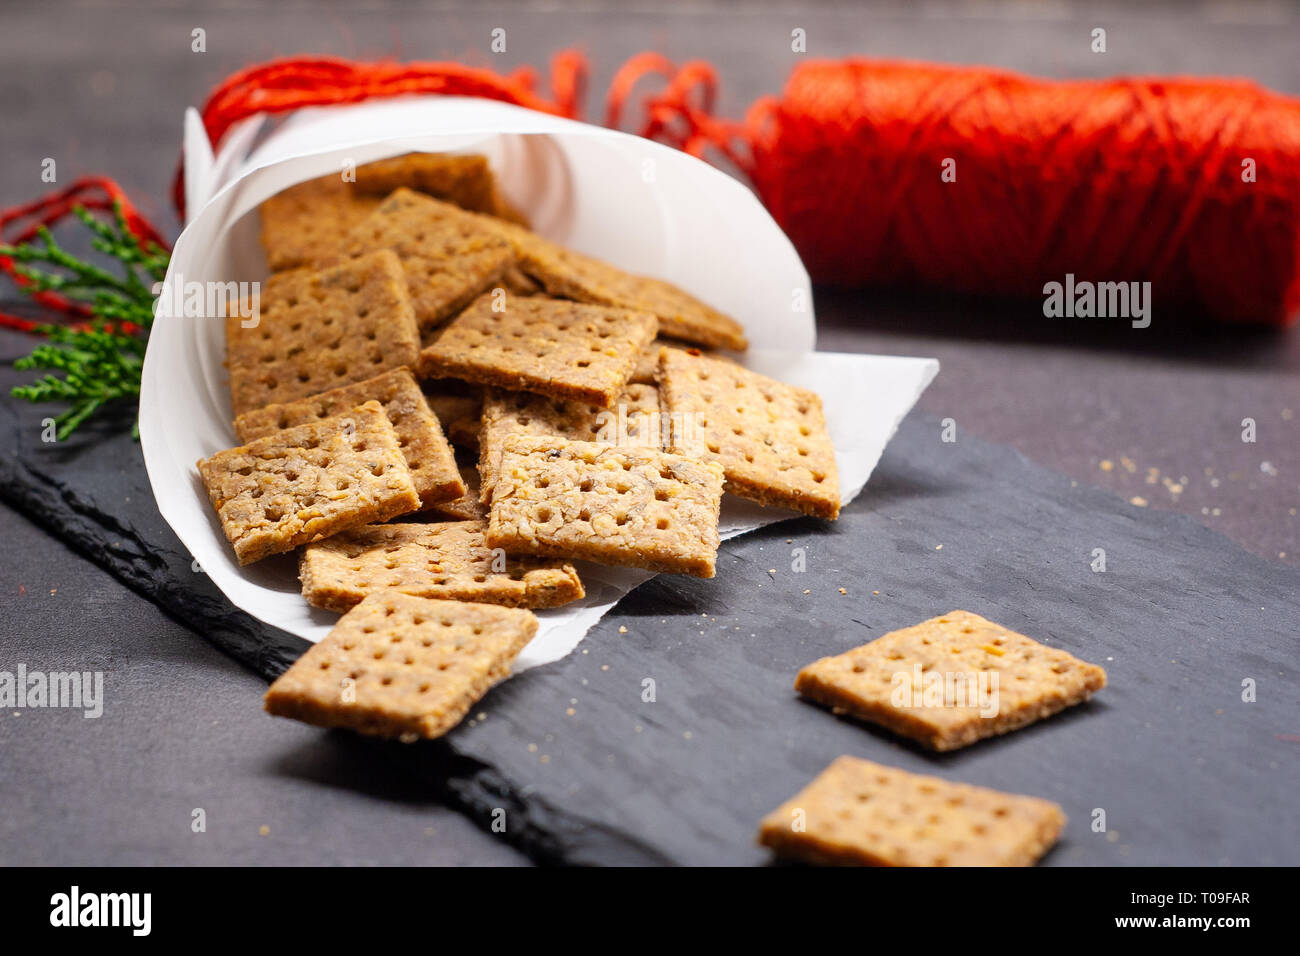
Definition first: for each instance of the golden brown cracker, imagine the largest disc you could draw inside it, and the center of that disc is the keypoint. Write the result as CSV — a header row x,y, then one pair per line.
x,y
769,437
627,506
934,682
317,330
859,813
402,666
308,482
304,225
562,349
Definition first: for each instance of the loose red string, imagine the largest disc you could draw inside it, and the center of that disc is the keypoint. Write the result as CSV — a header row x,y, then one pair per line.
x,y
1119,180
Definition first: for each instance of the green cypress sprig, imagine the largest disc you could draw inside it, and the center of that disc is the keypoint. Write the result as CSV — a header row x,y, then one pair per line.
x,y
99,361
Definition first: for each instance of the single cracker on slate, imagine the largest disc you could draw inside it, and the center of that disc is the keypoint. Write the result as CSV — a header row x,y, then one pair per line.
x,y
448,255
1033,681
548,346
309,482
318,330
430,458
859,813
304,225
634,420
467,507
402,666
570,275
448,560
769,437
627,506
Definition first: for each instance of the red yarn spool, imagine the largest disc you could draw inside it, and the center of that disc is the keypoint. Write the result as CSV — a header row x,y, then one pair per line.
x,y
1119,180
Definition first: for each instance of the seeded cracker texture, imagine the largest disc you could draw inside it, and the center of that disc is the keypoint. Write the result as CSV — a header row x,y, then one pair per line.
x,y
447,560
769,437
427,453
633,421
448,255
561,349
402,666
1033,681
623,506
859,813
570,275
315,331
311,481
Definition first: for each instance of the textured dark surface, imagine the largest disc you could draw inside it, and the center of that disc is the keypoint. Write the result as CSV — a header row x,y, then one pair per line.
x,y
1184,613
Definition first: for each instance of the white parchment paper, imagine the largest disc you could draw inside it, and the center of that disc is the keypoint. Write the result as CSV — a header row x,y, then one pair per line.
x,y
635,203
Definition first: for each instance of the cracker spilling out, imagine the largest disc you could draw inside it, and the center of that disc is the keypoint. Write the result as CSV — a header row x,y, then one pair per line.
x,y
625,506
634,420
445,560
427,453
571,275
402,666
551,347
861,813
309,482
950,681
449,256
317,330
769,437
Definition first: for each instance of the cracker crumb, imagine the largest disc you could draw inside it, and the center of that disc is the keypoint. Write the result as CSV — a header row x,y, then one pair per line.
x,y
842,591
1107,464
807,590
1138,500
532,748
263,830
622,629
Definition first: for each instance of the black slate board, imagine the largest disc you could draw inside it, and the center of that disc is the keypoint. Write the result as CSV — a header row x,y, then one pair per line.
x,y
1186,772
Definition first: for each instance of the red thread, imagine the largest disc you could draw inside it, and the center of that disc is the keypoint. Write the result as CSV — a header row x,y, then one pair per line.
x,y
90,192
1124,180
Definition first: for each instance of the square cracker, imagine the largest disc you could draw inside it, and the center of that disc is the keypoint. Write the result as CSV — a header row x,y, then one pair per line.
x,y
467,507
402,666
318,330
304,225
430,458
449,256
1033,681
572,275
551,347
861,813
445,560
633,421
629,506
769,437
308,482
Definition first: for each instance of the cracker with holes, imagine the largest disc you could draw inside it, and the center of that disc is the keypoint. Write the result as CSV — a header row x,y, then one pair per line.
x,y
859,813
769,437
561,349
432,464
633,421
402,666
950,681
318,330
626,506
570,275
449,256
309,482
445,560
305,224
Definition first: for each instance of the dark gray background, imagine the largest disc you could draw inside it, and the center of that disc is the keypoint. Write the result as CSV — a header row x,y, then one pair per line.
x,y
101,88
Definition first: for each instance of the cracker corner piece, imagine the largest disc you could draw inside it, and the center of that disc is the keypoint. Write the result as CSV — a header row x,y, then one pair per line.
x,y
318,330
638,507
769,437
1033,681
446,560
402,666
304,225
311,481
449,256
859,813
562,349
425,448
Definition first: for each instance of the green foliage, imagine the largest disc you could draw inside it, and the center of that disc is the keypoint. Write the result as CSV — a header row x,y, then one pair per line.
x,y
100,359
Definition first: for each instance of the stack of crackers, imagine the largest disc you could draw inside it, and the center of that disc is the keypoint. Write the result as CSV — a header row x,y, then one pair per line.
x,y
436,404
